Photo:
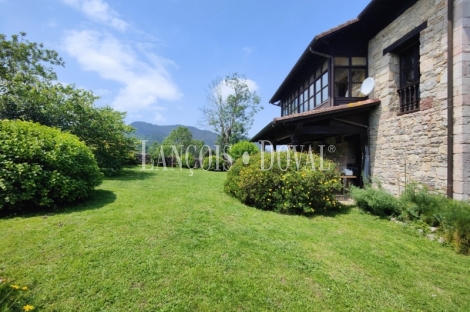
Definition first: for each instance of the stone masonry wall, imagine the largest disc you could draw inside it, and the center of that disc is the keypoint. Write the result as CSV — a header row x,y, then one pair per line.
x,y
411,147
462,99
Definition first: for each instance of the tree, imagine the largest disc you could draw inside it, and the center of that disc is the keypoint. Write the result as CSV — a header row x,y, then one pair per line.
x,y
21,60
29,91
181,138
230,116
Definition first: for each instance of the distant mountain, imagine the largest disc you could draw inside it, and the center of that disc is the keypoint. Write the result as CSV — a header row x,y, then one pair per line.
x,y
152,133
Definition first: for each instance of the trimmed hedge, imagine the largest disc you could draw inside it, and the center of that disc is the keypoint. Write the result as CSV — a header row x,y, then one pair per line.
x,y
291,186
238,149
42,166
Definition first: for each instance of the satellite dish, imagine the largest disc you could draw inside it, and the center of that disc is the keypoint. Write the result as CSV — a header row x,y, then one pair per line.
x,y
367,86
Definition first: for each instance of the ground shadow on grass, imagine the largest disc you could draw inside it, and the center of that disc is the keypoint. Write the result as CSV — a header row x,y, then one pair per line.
x,y
132,175
99,199
330,213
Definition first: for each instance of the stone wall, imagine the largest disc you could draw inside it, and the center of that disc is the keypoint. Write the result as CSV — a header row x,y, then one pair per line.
x,y
462,99
413,146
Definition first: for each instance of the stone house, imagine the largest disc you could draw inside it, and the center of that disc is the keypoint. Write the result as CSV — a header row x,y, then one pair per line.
x,y
415,125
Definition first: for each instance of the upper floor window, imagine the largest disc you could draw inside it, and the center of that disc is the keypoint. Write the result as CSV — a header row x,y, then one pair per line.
x,y
311,93
409,79
350,72
407,50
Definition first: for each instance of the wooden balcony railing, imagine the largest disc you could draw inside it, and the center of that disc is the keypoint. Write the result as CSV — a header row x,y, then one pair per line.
x,y
409,98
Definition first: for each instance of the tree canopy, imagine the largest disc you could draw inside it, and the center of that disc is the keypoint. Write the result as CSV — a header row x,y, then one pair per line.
x,y
181,138
230,115
29,91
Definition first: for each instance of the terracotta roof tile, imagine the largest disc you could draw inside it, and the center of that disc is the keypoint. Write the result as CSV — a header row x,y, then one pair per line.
x,y
332,30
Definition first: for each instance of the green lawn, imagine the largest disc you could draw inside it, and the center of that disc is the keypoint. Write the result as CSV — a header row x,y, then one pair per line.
x,y
165,240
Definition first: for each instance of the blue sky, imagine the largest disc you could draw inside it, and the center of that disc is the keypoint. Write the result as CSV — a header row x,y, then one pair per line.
x,y
156,58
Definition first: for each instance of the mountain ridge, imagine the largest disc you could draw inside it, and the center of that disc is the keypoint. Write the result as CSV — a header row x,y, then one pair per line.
x,y
157,133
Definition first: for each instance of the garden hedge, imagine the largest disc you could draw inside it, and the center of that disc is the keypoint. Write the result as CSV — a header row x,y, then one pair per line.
x,y
43,167
295,183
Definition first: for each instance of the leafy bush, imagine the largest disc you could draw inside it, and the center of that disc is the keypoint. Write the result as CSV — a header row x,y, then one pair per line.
x,y
210,163
456,223
376,201
422,208
188,160
238,149
41,166
286,187
420,204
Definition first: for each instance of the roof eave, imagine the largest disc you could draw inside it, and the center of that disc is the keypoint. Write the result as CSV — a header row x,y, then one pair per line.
x,y
312,45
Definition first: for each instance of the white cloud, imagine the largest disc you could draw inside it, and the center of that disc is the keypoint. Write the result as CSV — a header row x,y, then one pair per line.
x,y
51,23
226,90
99,11
143,76
101,92
247,51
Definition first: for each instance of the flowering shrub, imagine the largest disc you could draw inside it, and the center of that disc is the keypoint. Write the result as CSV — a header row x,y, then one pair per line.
x,y
296,182
42,166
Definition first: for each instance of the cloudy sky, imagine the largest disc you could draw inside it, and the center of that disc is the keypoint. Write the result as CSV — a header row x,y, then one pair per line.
x,y
154,59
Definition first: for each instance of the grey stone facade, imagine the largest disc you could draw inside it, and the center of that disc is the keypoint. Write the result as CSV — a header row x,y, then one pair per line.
x,y
413,146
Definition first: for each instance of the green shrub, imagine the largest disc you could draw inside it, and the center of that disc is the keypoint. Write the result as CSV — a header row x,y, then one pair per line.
x,y
376,201
188,160
286,187
41,166
231,183
238,149
456,223
210,163
420,204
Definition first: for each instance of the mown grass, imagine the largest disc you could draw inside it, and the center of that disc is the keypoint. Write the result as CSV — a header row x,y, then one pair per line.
x,y
168,241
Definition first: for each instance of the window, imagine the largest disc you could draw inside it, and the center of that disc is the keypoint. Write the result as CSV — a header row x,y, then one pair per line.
x,y
350,72
312,93
319,86
409,79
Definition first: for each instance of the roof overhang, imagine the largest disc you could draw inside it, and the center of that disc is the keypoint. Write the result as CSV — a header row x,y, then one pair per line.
x,y
316,123
373,19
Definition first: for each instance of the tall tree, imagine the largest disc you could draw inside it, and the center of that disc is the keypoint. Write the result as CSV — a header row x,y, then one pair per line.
x,y
230,108
29,91
181,138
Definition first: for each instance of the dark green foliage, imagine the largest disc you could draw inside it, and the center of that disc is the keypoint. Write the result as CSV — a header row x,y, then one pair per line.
x,y
21,59
212,163
29,91
420,204
238,149
456,223
180,139
293,185
188,160
376,201
41,166
157,133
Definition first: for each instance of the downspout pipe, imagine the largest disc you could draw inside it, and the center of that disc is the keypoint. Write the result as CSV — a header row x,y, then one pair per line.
x,y
450,98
